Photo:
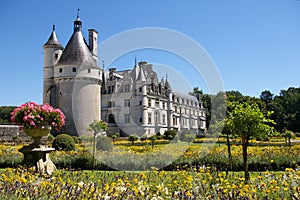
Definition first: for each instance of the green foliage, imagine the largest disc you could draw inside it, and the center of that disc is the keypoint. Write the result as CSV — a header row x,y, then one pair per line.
x,y
247,121
76,139
170,134
98,126
189,137
115,136
104,143
133,138
63,142
5,113
286,107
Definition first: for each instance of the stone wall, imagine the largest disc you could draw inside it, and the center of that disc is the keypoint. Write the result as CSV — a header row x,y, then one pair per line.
x,y
7,132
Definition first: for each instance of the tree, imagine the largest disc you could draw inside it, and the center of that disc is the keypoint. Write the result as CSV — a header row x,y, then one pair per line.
x,y
247,121
97,126
5,113
286,107
266,96
133,138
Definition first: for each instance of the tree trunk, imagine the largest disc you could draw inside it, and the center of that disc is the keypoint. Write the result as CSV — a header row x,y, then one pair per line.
x,y
245,145
229,152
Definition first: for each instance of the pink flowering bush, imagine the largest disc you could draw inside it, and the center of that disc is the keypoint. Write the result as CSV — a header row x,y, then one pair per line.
x,y
31,115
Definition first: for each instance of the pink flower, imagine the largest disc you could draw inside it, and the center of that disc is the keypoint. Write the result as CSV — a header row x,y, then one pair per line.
x,y
30,115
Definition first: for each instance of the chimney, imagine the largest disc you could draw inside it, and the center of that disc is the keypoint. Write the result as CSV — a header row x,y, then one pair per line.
x,y
93,43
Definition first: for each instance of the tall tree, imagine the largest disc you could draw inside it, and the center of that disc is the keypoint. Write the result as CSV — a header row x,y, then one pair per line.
x,y
286,109
266,96
247,121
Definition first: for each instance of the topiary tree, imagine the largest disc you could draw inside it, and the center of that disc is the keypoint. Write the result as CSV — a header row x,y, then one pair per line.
x,y
133,138
104,143
152,139
114,136
63,142
288,135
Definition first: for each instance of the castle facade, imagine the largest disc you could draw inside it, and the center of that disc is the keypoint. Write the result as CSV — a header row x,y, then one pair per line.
x,y
132,101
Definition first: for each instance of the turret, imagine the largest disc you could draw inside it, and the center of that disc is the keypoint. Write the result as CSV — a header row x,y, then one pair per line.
x,y
78,80
52,52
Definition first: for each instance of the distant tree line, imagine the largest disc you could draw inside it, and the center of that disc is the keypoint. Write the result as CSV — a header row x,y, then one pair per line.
x,y
5,114
285,107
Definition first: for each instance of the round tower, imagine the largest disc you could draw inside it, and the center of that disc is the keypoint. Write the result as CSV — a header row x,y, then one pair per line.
x,y
78,84
52,52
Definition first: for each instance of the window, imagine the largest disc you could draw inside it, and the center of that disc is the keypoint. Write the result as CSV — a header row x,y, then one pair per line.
x,y
174,120
141,89
111,104
127,118
156,117
157,102
149,118
110,89
56,56
111,118
89,70
164,118
141,119
149,103
127,88
140,102
126,102
60,70
74,69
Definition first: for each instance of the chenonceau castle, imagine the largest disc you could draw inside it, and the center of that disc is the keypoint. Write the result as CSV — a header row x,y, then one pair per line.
x,y
132,101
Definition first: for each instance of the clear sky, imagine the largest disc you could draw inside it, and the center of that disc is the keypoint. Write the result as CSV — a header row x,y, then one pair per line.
x,y
255,44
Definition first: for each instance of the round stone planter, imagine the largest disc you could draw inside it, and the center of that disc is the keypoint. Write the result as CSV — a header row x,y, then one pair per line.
x,y
37,133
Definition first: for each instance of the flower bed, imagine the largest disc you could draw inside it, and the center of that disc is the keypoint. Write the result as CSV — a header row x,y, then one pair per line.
x,y
204,183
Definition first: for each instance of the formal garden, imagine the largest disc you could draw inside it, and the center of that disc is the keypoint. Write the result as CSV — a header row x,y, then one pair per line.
x,y
247,155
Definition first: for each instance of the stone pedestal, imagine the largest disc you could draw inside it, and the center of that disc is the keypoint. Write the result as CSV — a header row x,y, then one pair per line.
x,y
38,158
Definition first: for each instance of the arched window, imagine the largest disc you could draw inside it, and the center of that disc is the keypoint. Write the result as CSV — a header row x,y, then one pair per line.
x,y
111,118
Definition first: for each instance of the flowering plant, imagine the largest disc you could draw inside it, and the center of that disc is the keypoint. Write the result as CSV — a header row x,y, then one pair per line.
x,y
31,115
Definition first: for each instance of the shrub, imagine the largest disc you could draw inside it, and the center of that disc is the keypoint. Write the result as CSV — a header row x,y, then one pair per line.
x,y
63,142
76,139
114,136
170,134
104,143
133,138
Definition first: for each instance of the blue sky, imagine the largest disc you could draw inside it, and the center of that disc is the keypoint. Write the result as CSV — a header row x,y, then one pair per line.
x,y
255,44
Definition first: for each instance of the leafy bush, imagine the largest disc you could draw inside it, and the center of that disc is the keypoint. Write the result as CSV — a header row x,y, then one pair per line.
x,y
170,134
63,142
133,138
104,143
76,139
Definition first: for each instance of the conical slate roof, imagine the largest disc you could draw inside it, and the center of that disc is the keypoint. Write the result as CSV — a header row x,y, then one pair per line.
x,y
77,52
141,76
53,40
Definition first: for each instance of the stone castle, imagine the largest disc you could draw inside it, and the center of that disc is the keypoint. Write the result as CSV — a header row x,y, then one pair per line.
x,y
132,101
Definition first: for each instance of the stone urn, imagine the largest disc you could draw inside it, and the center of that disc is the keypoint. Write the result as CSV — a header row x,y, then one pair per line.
x,y
37,133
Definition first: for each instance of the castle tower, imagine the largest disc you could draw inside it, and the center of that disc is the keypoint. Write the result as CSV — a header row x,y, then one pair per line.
x,y
52,52
77,82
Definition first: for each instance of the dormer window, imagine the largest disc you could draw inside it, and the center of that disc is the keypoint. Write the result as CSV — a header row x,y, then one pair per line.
x,y
74,69
60,70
